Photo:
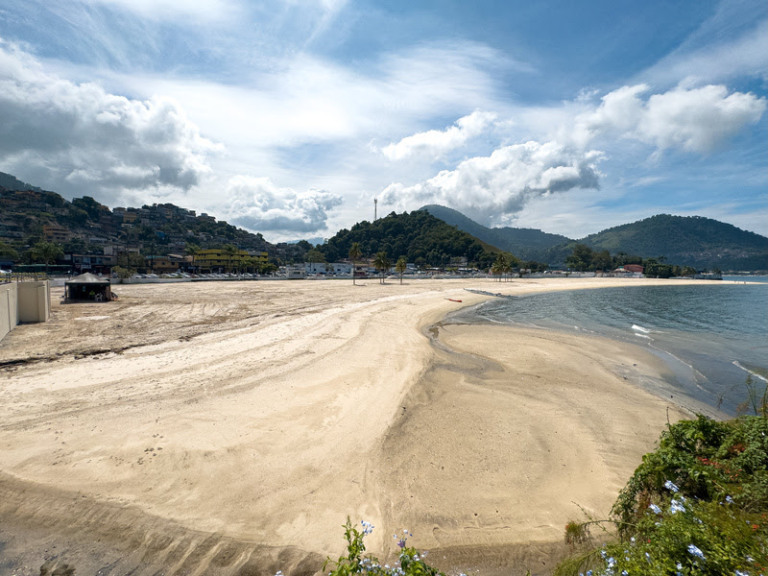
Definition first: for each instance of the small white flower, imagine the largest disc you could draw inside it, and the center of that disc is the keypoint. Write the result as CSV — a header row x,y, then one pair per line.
x,y
676,506
695,551
656,509
669,485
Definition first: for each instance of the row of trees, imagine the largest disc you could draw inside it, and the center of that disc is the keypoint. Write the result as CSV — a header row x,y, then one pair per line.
x,y
381,262
583,259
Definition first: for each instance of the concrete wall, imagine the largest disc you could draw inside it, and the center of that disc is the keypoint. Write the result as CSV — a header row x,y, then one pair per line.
x,y
24,302
34,301
9,309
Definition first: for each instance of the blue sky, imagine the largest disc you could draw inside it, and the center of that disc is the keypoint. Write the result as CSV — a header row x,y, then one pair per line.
x,y
288,117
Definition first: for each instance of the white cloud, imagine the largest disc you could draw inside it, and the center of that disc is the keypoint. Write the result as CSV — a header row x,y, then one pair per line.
x,y
257,204
491,186
199,10
707,58
63,135
693,119
494,188
435,143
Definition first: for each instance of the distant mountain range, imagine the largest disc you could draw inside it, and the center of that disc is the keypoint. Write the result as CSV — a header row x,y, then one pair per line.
x,y
694,241
29,214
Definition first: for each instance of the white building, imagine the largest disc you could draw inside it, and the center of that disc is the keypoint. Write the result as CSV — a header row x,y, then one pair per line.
x,y
332,269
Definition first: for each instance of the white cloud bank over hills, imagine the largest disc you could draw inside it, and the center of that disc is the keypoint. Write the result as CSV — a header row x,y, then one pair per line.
x,y
73,137
257,204
493,188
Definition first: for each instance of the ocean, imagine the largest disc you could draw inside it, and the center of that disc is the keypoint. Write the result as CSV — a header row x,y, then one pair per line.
x,y
712,336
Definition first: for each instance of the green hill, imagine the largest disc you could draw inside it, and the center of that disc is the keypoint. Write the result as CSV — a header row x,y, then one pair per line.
x,y
694,241
419,236
84,226
525,243
687,241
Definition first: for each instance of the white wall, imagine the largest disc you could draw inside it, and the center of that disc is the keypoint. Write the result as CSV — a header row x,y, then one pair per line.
x,y
24,302
9,315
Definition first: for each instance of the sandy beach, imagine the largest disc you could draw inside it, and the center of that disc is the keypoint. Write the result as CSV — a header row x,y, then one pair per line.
x,y
231,428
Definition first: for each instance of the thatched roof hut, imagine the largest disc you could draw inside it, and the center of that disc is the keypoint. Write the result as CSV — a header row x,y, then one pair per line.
x,y
88,287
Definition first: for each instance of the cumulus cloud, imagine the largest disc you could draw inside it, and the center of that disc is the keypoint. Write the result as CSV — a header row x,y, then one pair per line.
x,y
435,143
257,204
697,119
490,186
78,138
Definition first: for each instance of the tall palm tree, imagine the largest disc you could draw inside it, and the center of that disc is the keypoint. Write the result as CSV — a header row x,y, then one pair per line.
x,y
500,266
400,267
230,250
354,254
193,250
382,264
47,253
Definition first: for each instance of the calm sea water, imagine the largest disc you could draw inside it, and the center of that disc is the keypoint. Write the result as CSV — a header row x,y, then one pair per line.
x,y
711,335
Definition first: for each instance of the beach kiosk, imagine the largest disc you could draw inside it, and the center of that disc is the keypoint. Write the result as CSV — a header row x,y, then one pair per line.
x,y
87,287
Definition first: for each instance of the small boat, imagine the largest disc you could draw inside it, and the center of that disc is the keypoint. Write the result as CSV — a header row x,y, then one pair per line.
x,y
453,300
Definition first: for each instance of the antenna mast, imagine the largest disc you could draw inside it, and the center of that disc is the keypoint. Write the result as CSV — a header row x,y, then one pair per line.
x,y
375,208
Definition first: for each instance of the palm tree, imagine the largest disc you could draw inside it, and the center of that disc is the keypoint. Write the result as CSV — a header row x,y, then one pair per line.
x,y
500,266
230,250
47,253
193,250
382,264
400,267
354,254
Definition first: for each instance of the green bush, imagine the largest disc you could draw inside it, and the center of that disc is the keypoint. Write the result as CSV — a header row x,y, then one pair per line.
x,y
355,561
696,505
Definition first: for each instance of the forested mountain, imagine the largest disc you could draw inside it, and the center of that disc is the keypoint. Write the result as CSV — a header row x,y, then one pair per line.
x,y
687,241
693,241
419,236
525,243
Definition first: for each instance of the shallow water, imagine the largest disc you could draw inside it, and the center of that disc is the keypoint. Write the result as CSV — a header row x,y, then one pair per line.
x,y
712,335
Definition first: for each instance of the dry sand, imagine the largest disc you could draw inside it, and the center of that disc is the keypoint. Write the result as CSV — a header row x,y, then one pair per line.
x,y
231,428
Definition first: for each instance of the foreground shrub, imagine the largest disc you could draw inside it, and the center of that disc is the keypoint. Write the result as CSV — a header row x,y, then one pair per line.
x,y
696,505
411,562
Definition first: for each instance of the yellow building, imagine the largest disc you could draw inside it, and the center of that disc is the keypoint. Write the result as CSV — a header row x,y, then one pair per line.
x,y
219,260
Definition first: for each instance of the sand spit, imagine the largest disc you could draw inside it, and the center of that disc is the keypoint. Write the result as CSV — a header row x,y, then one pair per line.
x,y
230,428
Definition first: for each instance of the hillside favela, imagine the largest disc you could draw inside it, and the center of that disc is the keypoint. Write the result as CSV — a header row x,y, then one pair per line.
x,y
336,288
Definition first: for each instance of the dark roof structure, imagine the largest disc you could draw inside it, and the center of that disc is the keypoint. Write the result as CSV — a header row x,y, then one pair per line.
x,y
88,287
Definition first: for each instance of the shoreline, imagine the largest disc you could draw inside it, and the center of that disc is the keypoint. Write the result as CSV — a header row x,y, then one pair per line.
x,y
229,422
594,423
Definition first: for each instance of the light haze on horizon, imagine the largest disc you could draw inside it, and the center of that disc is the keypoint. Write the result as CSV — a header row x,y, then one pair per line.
x,y
288,117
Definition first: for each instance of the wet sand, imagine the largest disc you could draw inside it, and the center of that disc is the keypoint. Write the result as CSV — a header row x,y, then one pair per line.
x,y
231,428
